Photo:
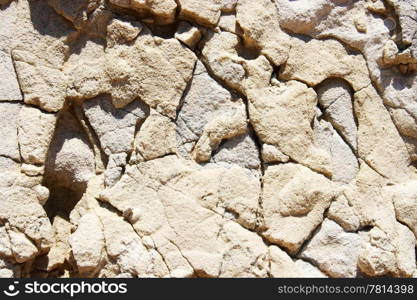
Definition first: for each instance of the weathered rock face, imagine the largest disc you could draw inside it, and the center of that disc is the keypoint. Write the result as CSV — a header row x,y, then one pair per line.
x,y
210,138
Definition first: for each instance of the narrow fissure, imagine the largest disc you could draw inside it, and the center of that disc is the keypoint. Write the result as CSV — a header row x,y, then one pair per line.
x,y
66,185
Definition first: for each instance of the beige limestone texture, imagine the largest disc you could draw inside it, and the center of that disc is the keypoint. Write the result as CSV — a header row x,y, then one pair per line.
x,y
208,138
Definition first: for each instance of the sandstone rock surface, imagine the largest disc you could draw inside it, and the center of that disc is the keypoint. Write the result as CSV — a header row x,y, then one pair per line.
x,y
208,138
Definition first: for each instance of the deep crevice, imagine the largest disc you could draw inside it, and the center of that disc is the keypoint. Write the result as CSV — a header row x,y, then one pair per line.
x,y
66,186
185,93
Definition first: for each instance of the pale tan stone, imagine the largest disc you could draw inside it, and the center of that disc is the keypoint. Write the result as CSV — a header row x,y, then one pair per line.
x,y
261,29
162,10
407,127
87,244
156,137
294,200
22,210
194,247
229,5
214,138
114,127
281,264
155,70
333,59
308,270
42,193
220,53
5,245
85,70
76,12
9,146
404,197
71,159
333,250
32,170
379,143
124,245
204,12
38,64
230,189
188,34
22,248
228,23
223,127
281,116
120,32
60,251
249,247
271,154
47,90
341,212
144,69
10,89
381,255
35,130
